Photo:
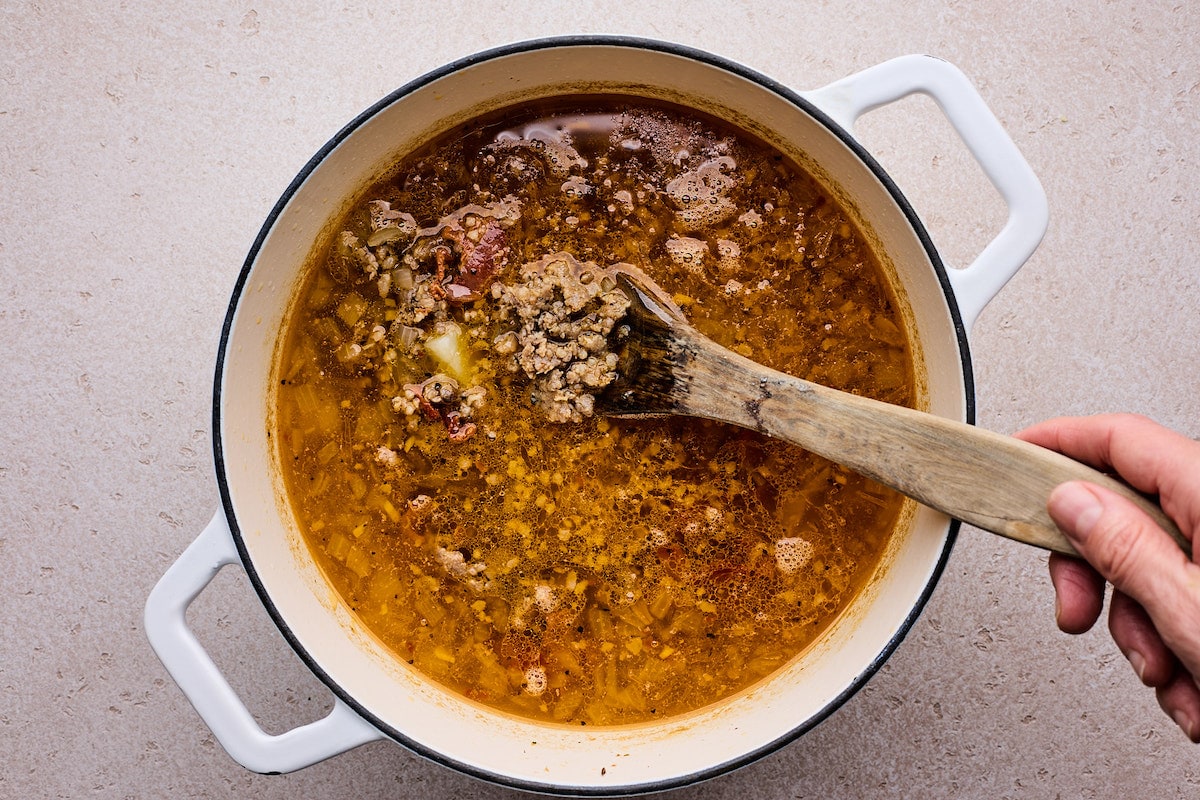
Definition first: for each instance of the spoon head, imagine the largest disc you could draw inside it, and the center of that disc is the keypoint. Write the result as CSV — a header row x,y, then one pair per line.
x,y
647,298
652,351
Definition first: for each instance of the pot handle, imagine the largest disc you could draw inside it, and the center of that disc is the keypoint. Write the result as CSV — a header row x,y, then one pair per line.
x,y
206,688
847,99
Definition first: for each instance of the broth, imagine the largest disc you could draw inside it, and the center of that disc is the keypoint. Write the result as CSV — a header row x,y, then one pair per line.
x,y
471,509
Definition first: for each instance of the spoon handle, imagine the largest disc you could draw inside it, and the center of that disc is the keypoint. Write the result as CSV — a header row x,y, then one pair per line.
x,y
994,482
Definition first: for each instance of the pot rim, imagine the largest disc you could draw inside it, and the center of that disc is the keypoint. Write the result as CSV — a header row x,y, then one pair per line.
x,y
584,40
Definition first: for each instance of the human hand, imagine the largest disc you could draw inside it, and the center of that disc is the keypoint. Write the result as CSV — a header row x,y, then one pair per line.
x,y
1154,616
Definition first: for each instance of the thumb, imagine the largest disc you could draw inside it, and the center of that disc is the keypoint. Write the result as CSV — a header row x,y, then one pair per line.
x,y
1122,543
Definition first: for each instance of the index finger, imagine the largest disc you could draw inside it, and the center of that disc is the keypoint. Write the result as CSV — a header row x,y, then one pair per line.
x,y
1150,458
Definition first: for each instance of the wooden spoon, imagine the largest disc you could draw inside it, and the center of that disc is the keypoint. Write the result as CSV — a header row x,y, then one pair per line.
x,y
994,482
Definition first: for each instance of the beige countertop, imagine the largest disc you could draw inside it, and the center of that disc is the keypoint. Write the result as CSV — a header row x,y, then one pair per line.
x,y
140,151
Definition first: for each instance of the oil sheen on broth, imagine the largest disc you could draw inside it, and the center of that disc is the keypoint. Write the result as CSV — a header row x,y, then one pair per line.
x,y
585,570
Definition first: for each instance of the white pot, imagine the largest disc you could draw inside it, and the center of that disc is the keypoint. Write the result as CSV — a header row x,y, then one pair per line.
x,y
378,697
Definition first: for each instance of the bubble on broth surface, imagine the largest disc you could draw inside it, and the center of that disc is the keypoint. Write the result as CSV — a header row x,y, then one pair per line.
x,y
688,253
701,196
576,188
728,255
793,554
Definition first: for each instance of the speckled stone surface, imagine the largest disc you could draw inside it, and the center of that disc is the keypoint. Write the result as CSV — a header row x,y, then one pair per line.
x,y
140,150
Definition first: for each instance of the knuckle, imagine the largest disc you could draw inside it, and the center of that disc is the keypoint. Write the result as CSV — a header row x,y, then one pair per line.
x,y
1119,549
1130,421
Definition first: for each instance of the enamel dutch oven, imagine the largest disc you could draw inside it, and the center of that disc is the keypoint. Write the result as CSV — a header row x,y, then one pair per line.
x,y
380,698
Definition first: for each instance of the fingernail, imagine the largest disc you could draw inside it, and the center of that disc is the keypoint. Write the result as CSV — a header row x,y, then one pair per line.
x,y
1138,662
1186,724
1075,509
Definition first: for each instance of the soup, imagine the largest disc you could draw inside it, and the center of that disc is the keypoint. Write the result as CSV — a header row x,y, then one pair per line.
x,y
448,470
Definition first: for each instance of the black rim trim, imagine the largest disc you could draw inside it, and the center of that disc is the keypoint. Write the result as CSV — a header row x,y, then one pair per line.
x,y
488,55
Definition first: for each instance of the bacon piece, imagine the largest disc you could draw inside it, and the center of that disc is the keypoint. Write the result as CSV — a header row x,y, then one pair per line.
x,y
483,258
458,430
418,389
457,294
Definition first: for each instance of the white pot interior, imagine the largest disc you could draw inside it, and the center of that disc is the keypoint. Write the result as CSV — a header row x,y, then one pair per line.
x,y
361,670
